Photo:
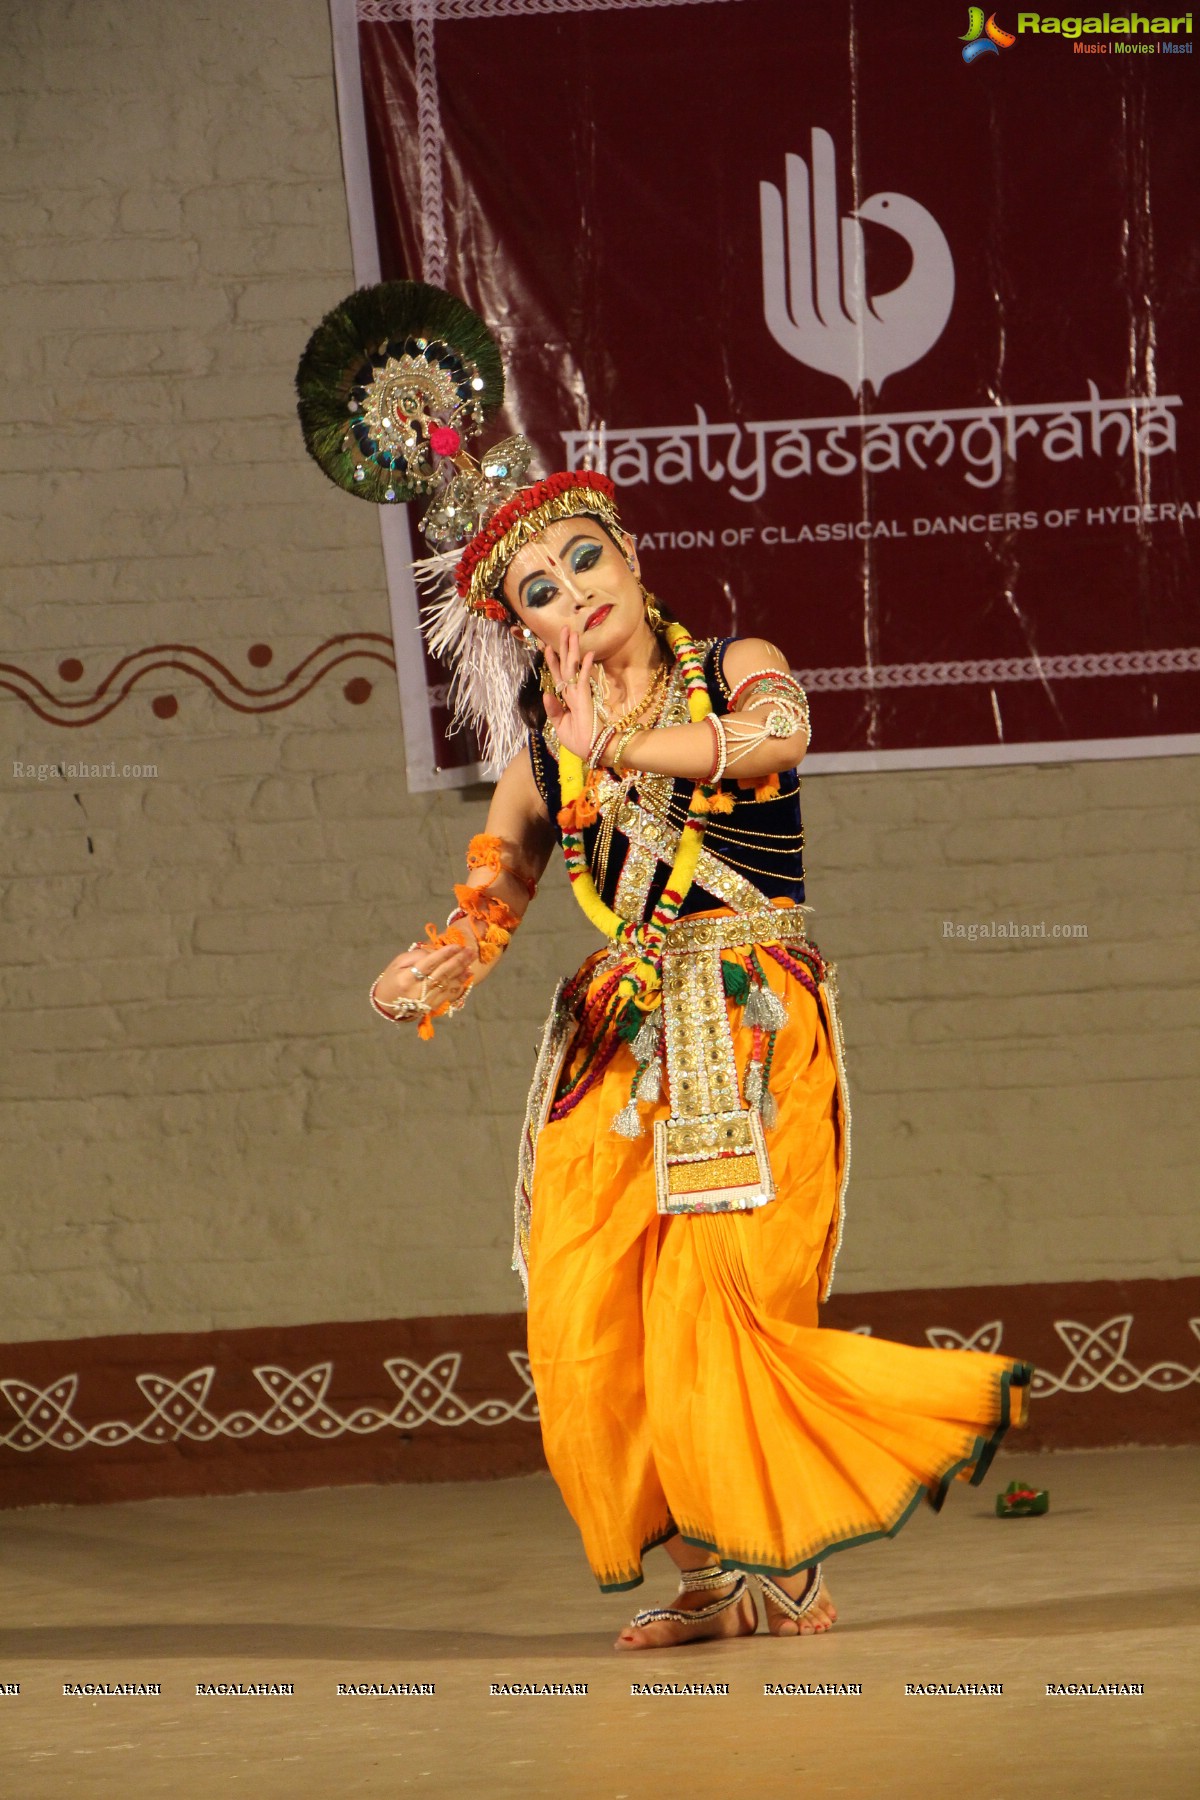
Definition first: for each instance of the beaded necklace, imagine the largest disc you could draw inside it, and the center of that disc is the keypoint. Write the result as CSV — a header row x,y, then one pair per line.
x,y
638,708
639,990
610,808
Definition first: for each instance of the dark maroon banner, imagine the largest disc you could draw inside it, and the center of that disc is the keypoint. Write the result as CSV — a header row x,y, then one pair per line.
x,y
892,354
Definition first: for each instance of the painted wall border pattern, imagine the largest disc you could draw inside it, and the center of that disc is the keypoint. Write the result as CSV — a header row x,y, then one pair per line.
x,y
361,649
401,12
364,648
179,1408
1009,668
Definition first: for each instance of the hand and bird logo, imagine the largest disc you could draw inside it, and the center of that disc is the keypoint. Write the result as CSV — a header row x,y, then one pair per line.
x,y
815,298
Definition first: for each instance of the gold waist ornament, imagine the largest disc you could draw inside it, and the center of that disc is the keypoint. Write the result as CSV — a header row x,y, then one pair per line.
x,y
710,1155
765,925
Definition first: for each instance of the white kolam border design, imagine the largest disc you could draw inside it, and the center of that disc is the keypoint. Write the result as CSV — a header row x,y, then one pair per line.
x,y
179,1408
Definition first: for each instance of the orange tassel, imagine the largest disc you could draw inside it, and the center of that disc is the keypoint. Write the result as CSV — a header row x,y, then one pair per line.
x,y
425,1028
577,814
485,852
481,905
439,939
764,789
720,802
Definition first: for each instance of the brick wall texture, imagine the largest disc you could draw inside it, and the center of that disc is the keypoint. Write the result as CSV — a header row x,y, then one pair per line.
x,y
204,1125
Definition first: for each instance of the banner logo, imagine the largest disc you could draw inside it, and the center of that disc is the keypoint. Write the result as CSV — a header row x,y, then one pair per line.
x,y
815,299
983,40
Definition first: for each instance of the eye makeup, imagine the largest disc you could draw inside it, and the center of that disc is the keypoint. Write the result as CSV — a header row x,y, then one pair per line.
x,y
581,554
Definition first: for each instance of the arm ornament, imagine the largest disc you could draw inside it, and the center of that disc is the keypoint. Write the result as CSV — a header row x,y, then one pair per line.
x,y
720,748
490,919
485,852
780,696
478,914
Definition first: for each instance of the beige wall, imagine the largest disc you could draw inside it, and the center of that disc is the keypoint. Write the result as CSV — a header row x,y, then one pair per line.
x,y
206,1126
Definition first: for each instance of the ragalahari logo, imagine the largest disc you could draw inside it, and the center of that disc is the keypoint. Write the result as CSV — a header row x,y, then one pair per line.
x,y
980,39
815,298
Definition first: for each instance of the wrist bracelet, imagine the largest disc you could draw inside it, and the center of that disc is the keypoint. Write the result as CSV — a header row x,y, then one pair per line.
x,y
599,744
622,745
398,1011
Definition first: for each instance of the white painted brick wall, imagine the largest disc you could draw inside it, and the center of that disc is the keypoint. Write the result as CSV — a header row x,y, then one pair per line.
x,y
204,1124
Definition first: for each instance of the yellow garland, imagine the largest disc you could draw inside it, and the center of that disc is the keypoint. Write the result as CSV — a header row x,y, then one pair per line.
x,y
572,777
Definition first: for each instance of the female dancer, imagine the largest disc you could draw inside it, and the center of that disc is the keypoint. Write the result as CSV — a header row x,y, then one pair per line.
x,y
687,1138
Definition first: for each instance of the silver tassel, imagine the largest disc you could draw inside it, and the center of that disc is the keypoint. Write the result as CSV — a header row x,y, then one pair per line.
x,y
649,1083
765,1008
752,1086
645,1044
769,1110
626,1123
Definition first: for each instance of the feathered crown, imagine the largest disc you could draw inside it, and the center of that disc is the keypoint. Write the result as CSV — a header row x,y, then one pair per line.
x,y
392,384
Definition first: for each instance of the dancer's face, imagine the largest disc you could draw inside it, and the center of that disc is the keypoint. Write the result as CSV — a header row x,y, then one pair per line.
x,y
575,575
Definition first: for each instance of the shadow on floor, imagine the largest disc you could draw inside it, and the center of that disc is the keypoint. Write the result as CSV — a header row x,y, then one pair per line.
x,y
1082,1615
1074,1615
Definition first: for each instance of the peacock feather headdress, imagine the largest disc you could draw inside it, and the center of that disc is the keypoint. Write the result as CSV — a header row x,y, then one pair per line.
x,y
392,385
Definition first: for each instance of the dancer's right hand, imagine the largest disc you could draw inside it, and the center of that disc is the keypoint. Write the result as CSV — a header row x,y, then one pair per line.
x,y
425,972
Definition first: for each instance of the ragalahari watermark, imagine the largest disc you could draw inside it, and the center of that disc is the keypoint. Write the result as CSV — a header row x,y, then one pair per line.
x,y
84,771
1009,929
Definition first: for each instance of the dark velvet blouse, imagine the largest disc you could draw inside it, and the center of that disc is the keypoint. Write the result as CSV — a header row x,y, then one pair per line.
x,y
762,840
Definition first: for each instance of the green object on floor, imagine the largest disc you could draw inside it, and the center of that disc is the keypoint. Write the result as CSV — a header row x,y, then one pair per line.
x,y
1020,1501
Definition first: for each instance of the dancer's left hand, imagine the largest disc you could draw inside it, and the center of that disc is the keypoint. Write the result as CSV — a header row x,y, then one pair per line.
x,y
569,708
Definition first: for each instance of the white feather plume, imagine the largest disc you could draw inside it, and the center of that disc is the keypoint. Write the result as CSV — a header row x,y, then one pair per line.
x,y
488,664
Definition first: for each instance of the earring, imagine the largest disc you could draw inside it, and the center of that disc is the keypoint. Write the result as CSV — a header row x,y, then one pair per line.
x,y
545,678
655,618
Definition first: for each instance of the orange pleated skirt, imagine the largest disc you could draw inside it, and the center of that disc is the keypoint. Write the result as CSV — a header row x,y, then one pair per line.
x,y
681,1378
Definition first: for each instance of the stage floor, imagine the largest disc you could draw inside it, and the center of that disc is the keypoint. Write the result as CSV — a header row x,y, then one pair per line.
x,y
473,1584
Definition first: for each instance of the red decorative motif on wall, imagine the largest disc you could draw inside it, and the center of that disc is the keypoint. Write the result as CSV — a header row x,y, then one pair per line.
x,y
358,647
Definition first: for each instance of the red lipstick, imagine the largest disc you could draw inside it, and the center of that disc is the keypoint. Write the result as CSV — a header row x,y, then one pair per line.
x,y
598,617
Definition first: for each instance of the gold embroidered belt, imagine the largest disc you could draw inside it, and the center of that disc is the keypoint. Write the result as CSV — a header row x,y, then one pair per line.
x,y
766,925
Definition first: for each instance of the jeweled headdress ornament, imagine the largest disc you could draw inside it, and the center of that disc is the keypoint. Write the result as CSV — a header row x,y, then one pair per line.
x,y
393,383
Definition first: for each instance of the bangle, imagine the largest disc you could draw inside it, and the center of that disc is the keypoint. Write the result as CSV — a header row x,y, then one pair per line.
x,y
599,744
398,1011
622,745
721,751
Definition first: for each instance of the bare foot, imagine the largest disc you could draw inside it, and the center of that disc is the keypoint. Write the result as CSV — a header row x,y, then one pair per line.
x,y
820,1618
739,1620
